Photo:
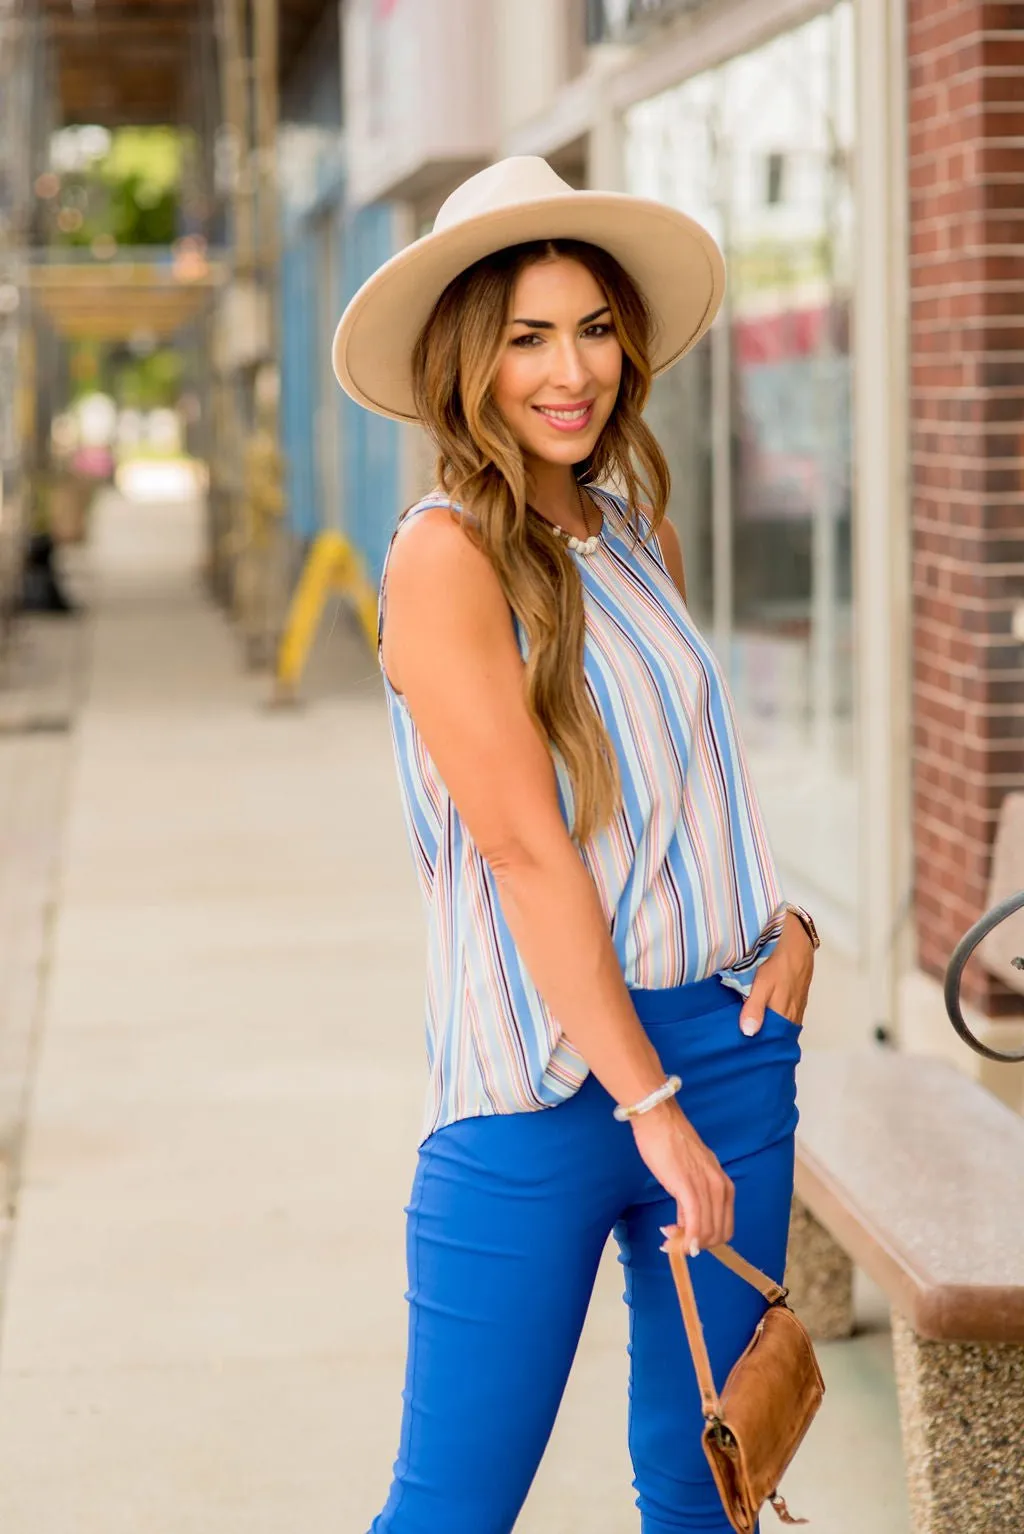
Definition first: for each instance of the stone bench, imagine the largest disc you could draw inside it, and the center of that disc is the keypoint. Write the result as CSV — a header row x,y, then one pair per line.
x,y
914,1173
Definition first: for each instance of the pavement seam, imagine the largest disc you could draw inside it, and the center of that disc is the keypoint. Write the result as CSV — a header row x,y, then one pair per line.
x,y
38,770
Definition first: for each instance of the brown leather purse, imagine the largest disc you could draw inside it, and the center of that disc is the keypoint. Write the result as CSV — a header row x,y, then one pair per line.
x,y
753,1429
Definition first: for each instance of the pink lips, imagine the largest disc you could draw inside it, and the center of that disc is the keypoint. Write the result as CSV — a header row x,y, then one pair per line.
x,y
577,423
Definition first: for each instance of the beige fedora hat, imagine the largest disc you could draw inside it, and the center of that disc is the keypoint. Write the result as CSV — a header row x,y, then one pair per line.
x,y
673,261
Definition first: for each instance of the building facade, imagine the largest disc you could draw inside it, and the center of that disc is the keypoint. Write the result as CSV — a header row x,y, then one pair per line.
x,y
342,464
847,480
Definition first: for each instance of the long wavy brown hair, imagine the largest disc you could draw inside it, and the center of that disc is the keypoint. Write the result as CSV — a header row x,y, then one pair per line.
x,y
480,464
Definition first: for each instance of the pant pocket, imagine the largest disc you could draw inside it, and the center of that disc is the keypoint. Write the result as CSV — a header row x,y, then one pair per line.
x,y
782,1018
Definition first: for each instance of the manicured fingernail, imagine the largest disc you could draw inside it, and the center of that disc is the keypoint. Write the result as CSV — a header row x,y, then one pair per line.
x,y
668,1230
749,1026
694,1248
663,1248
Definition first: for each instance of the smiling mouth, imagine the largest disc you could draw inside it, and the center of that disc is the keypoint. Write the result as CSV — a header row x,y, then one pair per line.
x,y
567,417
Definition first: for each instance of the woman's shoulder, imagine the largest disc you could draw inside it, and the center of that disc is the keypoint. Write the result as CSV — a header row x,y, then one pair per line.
x,y
432,508
435,497
429,546
429,556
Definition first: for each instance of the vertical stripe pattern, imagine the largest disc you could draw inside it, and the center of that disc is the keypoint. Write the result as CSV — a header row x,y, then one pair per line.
x,y
684,872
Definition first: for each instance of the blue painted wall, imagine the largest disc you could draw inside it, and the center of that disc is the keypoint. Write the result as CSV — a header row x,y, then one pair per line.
x,y
298,362
366,446
371,448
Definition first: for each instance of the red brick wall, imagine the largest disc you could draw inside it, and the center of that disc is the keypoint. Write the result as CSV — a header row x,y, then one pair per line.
x,y
966,148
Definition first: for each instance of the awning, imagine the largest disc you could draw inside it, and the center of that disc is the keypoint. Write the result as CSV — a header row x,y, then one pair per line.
x,y
122,62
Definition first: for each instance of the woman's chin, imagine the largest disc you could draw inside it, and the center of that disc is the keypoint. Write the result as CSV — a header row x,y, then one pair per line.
x,y
567,452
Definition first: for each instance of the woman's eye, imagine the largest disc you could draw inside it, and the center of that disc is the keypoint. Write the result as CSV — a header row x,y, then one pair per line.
x,y
596,331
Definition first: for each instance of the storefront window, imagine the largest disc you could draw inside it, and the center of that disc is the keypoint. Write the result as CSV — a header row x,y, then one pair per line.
x,y
757,423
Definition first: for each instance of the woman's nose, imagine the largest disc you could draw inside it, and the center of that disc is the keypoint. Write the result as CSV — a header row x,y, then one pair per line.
x,y
568,368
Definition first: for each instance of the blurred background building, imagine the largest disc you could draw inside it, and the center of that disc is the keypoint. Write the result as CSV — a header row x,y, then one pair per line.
x,y
189,193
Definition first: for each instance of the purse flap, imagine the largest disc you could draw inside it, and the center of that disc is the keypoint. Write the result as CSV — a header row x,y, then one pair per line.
x,y
772,1393
729,1472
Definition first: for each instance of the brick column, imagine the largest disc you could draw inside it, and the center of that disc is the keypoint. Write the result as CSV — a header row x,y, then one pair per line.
x,y
966,225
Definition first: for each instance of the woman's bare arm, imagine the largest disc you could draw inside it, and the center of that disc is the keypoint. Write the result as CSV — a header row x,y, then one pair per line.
x,y
450,646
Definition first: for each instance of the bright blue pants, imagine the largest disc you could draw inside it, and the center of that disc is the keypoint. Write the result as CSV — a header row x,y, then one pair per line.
x,y
506,1225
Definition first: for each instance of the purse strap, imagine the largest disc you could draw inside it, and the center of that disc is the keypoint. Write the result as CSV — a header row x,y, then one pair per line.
x,y
772,1292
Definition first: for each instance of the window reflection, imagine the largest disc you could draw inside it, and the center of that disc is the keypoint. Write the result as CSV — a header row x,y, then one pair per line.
x,y
756,422
679,414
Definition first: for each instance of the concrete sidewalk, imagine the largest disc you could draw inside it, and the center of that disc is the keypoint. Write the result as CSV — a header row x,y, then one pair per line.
x,y
203,1327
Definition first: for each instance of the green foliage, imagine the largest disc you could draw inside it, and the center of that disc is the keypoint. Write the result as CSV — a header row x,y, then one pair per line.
x,y
149,383
135,220
143,175
88,369
153,157
132,193
138,383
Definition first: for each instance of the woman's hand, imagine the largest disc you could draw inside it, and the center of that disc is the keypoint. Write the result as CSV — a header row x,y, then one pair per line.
x,y
783,980
689,1172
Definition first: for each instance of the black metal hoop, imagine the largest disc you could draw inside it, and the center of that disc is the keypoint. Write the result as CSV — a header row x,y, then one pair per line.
x,y
954,974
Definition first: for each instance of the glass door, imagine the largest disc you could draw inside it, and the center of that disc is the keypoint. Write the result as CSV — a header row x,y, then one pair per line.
x,y
756,423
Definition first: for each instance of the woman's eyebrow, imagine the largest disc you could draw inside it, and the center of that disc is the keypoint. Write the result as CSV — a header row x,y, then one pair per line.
x,y
549,325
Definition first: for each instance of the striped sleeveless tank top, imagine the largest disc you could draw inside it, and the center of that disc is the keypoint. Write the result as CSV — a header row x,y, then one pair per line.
x,y
685,874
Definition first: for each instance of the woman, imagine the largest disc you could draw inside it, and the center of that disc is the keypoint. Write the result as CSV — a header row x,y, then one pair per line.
x,y
607,939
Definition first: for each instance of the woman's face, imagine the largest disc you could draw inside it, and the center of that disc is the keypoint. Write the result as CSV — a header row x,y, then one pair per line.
x,y
558,378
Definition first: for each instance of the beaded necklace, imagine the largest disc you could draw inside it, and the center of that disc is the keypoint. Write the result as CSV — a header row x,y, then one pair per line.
x,y
581,545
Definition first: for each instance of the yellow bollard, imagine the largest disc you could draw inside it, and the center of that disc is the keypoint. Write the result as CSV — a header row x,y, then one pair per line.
x,y
332,565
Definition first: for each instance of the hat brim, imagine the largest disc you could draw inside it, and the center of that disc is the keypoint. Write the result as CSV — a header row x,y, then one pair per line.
x,y
672,259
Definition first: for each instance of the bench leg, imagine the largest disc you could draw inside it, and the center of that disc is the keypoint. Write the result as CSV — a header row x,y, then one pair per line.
x,y
963,1432
819,1277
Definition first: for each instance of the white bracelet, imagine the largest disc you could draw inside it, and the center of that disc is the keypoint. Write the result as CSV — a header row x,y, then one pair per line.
x,y
660,1094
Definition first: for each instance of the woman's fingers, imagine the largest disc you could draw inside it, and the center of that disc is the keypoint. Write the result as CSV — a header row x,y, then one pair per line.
x,y
691,1173
720,1192
708,1211
688,1210
721,1209
705,1209
730,1209
752,1010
